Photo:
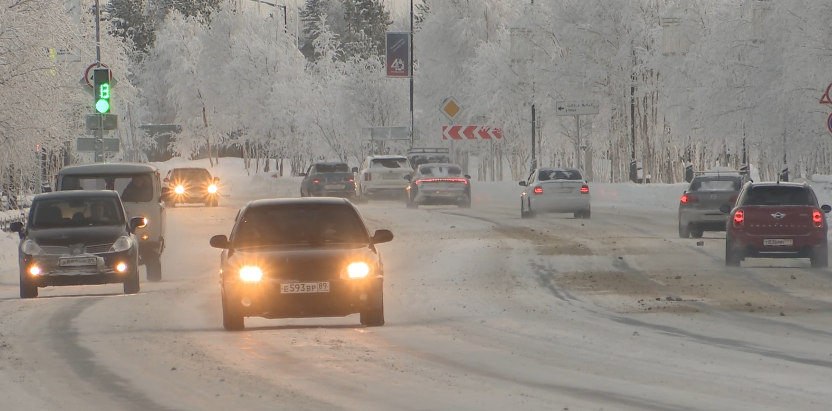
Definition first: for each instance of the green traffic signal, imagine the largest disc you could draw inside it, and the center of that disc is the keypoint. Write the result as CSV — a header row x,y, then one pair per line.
x,y
102,106
101,82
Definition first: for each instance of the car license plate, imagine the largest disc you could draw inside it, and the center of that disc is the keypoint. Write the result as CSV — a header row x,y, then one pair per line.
x,y
564,190
778,241
333,186
390,176
77,261
304,288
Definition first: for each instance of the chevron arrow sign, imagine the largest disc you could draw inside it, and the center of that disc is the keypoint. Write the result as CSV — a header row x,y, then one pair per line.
x,y
471,133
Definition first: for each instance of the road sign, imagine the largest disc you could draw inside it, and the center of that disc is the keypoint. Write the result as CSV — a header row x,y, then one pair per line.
x,y
576,108
103,121
451,108
829,123
471,133
88,74
398,54
87,144
387,133
825,99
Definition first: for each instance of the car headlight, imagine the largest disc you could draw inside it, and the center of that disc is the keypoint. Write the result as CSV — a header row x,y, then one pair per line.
x,y
212,189
179,190
251,274
122,244
30,247
358,270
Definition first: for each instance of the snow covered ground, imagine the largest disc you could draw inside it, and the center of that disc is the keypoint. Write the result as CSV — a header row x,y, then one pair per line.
x,y
485,311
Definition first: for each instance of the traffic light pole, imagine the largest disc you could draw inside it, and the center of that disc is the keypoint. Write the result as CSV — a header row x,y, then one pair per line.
x,y
99,132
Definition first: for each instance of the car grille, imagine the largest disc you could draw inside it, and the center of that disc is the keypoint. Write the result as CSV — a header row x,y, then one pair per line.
x,y
90,249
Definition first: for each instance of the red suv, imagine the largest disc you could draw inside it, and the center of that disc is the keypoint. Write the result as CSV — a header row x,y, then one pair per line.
x,y
776,220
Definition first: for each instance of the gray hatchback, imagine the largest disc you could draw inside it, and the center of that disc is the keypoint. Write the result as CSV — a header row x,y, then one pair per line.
x,y
699,205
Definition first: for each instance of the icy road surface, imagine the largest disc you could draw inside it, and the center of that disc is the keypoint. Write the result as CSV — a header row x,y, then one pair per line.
x,y
484,311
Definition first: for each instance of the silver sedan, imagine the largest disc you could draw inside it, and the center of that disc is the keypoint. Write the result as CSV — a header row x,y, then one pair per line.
x,y
555,190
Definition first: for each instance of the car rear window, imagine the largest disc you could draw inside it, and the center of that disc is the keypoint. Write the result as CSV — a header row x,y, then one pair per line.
x,y
191,174
300,224
779,195
440,171
716,184
389,163
332,168
547,175
79,212
137,188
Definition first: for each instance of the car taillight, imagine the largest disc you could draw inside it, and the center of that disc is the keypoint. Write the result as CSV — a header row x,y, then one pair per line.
x,y
688,198
739,218
538,190
368,177
316,181
450,180
817,218
585,189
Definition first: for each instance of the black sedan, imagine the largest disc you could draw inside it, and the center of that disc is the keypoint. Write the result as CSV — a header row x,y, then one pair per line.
x,y
328,180
77,238
300,258
436,184
188,185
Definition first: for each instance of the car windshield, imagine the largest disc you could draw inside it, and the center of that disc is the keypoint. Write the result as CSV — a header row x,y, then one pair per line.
x,y
332,168
300,224
389,163
418,160
779,196
190,174
440,171
76,212
716,184
136,188
547,175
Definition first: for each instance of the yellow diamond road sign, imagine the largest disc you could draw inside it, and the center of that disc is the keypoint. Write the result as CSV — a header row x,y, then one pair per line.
x,y
451,108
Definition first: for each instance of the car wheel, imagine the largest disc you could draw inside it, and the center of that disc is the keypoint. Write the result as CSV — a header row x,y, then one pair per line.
x,y
411,203
578,214
232,320
586,214
153,265
820,256
684,230
465,203
733,256
696,233
132,286
27,290
523,213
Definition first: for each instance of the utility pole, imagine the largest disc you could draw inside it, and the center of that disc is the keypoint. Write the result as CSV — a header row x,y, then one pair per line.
x,y
99,132
411,74
534,129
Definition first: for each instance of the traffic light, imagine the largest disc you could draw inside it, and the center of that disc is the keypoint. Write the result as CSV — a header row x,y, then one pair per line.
x,y
101,89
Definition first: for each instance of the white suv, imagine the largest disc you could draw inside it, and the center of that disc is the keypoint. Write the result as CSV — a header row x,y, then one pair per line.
x,y
383,176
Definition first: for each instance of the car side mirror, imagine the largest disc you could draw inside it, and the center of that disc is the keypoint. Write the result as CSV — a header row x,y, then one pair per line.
x,y
355,169
407,177
302,174
135,223
382,236
825,208
166,180
725,209
522,183
220,241
467,176
17,227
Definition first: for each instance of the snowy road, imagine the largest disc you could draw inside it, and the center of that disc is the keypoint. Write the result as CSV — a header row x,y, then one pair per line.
x,y
485,311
